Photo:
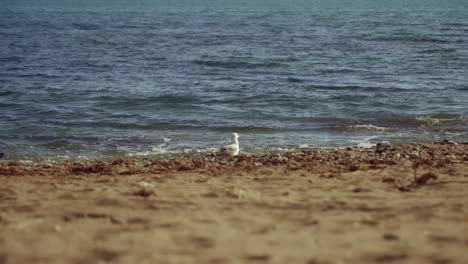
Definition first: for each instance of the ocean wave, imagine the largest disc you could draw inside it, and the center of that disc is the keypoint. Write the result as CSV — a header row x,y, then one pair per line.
x,y
337,71
174,99
8,92
335,120
421,120
295,80
160,152
240,64
63,145
95,40
367,128
408,38
437,51
86,26
10,59
365,144
354,88
39,75
133,101
383,123
461,88
434,120
246,129
244,61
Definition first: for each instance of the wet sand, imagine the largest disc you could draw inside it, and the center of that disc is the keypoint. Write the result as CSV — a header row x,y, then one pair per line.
x,y
386,204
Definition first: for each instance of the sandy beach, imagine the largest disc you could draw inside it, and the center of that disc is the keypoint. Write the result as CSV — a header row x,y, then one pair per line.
x,y
386,204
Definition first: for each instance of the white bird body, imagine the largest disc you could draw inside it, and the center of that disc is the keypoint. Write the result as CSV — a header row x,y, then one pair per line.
x,y
232,149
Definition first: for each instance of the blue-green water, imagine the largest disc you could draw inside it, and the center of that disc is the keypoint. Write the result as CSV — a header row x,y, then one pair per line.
x,y
144,78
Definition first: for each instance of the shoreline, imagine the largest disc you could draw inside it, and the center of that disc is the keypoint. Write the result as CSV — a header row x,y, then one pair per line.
x,y
385,204
344,159
160,152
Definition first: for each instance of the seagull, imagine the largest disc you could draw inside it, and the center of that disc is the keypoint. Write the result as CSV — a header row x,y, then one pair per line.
x,y
232,149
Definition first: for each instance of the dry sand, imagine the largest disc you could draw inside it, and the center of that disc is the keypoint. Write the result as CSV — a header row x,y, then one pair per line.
x,y
387,204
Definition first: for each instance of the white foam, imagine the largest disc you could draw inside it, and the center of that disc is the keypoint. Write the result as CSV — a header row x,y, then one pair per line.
x,y
429,121
368,127
366,145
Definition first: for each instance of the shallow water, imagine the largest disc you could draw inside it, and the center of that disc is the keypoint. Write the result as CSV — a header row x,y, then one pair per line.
x,y
156,78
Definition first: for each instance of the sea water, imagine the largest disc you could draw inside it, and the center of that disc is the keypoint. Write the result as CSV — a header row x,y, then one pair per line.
x,y
92,79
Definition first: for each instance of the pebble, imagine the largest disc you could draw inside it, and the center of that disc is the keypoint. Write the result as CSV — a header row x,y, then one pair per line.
x,y
389,236
144,184
348,159
446,141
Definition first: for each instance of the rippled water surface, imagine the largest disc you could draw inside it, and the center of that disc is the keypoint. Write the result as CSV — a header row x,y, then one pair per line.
x,y
158,77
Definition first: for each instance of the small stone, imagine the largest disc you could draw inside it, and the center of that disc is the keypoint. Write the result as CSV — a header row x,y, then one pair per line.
x,y
294,165
423,179
58,228
312,222
144,184
143,192
369,221
115,220
122,170
389,236
449,142
210,195
359,189
379,151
